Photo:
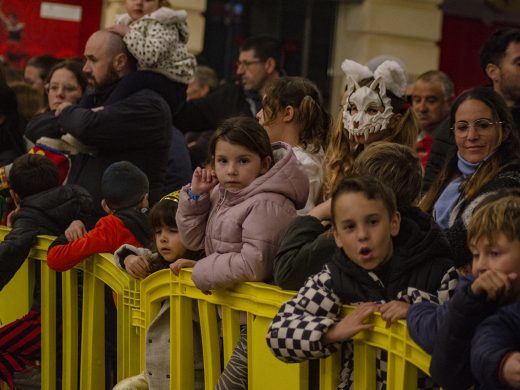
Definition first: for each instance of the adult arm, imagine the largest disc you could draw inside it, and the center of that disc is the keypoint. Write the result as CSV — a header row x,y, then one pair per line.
x,y
314,309
304,250
43,125
139,121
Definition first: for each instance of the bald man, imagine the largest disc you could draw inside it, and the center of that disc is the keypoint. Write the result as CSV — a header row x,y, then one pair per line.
x,y
137,128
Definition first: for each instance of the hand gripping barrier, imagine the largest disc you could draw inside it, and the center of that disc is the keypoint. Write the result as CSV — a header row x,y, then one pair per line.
x,y
139,301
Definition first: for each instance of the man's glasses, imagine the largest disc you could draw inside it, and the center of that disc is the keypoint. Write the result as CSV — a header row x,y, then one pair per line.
x,y
481,126
247,64
67,88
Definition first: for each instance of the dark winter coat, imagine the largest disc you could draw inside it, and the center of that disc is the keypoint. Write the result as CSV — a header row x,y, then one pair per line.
x,y
50,213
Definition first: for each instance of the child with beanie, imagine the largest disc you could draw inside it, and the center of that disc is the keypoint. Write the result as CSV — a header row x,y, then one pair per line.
x,y
124,188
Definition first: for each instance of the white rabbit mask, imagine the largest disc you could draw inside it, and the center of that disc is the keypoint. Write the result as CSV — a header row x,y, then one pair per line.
x,y
373,110
367,109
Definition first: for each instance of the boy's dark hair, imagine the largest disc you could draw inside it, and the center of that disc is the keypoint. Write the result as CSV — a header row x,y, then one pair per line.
x,y
369,186
496,45
396,165
31,174
243,131
265,47
123,185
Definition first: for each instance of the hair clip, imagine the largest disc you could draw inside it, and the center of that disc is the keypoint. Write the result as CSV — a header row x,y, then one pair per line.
x,y
173,196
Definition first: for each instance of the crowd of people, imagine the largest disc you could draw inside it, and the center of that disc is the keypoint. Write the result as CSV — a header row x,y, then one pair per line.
x,y
406,202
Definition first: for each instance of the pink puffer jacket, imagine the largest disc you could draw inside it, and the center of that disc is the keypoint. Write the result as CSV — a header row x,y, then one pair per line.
x,y
241,231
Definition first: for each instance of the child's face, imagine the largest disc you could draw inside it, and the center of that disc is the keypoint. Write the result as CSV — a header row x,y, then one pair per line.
x,y
169,243
502,256
138,8
275,129
364,230
237,167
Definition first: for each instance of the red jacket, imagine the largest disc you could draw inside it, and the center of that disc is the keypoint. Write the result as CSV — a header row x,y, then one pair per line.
x,y
107,236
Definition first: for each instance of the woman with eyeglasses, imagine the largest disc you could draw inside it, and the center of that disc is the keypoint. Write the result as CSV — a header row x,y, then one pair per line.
x,y
66,83
487,159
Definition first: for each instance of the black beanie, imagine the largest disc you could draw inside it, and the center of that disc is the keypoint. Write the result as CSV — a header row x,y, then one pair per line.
x,y
123,185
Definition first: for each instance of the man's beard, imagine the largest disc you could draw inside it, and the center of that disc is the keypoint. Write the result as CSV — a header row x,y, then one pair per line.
x,y
110,79
510,90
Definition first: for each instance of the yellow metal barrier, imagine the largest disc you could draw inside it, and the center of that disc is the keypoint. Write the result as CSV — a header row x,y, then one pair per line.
x,y
139,301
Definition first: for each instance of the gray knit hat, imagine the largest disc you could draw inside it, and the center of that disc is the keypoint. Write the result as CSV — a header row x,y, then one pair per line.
x,y
123,185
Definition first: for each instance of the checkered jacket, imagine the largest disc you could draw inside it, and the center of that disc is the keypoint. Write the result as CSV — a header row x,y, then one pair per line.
x,y
296,332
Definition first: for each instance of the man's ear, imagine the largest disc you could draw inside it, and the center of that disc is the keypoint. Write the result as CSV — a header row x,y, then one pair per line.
x,y
104,206
16,198
270,65
493,72
120,61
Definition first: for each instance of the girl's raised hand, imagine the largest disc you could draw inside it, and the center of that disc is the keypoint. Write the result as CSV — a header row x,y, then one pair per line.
x,y
203,180
181,263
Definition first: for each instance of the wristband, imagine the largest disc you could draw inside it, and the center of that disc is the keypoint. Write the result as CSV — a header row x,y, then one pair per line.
x,y
193,195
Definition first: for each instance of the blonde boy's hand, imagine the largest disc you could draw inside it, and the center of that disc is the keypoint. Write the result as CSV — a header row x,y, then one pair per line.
x,y
75,230
511,370
494,284
351,324
203,180
393,311
119,29
137,266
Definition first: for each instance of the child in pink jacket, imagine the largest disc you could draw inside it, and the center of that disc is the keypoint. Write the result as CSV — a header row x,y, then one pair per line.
x,y
238,209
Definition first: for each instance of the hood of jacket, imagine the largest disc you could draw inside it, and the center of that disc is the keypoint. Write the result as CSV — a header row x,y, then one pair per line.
x,y
419,240
285,178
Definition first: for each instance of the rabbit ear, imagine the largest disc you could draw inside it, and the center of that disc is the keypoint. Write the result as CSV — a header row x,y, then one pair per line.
x,y
394,77
352,85
378,83
355,73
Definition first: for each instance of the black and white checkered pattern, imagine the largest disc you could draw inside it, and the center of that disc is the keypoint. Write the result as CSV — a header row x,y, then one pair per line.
x,y
296,332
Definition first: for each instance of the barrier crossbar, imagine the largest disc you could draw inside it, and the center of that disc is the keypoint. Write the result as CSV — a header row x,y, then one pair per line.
x,y
219,314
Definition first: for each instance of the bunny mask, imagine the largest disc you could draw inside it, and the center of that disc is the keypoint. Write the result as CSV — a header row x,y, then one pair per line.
x,y
368,110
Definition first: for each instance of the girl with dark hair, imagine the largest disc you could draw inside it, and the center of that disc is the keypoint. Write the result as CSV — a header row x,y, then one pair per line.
x,y
487,159
237,211
141,262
